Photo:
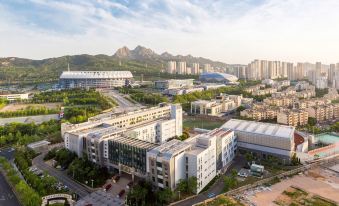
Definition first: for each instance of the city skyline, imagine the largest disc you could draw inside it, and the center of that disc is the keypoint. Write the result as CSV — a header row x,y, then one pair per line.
x,y
287,31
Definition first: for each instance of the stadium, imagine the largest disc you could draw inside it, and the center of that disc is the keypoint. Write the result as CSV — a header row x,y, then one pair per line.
x,y
95,79
216,77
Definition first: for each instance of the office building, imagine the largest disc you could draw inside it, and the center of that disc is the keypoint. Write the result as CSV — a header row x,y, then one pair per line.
x,y
139,131
202,156
95,79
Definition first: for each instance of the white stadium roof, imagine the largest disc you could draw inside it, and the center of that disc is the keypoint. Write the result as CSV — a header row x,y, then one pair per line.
x,y
95,74
260,128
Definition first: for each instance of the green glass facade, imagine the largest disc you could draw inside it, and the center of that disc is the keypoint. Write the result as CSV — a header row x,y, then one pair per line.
x,y
128,155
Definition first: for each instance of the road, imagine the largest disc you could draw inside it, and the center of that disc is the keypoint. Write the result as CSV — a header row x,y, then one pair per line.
x,y
7,196
81,190
124,104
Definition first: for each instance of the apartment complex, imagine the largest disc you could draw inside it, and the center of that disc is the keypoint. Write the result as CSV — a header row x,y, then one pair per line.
x,y
202,156
292,117
259,113
263,139
95,79
323,113
181,67
101,137
280,101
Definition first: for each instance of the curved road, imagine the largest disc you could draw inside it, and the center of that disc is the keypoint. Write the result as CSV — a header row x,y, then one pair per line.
x,y
78,188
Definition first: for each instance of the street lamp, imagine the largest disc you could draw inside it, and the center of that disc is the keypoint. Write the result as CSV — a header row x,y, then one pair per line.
x,y
92,183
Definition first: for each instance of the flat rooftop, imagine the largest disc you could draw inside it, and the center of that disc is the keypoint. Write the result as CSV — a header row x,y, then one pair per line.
x,y
171,148
38,144
133,142
276,130
95,74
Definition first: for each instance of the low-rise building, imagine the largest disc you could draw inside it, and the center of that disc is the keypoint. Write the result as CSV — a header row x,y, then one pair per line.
x,y
292,117
260,112
280,101
264,91
264,139
14,97
173,84
324,112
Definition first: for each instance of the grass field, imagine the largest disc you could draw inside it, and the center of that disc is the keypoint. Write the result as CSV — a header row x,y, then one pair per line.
x,y
192,122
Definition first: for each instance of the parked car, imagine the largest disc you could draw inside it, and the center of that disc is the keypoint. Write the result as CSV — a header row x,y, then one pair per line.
x,y
121,193
108,187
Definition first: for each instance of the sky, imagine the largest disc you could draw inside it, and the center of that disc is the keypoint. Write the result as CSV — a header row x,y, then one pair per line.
x,y
232,31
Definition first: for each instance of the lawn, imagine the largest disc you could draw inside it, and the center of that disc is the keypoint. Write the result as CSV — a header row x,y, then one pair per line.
x,y
192,122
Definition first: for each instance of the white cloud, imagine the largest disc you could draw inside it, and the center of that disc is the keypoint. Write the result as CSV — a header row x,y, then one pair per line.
x,y
231,31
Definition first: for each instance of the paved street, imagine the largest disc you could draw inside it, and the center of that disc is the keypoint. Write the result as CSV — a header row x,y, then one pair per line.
x,y
81,190
7,197
124,104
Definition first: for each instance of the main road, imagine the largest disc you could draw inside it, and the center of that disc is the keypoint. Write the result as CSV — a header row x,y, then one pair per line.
x,y
7,196
124,105
74,186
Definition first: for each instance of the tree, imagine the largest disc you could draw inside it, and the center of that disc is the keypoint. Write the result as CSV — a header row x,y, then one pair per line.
x,y
192,185
164,196
312,121
229,183
240,108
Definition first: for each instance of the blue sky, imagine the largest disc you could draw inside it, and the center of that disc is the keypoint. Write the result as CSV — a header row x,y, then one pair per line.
x,y
233,31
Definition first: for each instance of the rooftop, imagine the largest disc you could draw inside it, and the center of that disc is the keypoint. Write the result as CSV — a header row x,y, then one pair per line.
x,y
95,74
171,148
133,142
277,130
38,144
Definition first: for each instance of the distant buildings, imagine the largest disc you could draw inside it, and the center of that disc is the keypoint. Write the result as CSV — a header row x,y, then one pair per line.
x,y
95,79
173,84
181,67
14,97
222,104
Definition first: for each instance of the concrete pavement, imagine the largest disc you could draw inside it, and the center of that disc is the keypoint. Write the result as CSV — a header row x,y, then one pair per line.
x,y
78,188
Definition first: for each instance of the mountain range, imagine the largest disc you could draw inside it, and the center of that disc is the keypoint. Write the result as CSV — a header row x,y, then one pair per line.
x,y
140,61
138,54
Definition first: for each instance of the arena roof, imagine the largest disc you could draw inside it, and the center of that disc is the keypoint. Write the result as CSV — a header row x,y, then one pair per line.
x,y
95,74
217,76
276,130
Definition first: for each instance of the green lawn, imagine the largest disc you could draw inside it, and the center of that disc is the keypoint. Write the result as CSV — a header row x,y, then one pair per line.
x,y
192,122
